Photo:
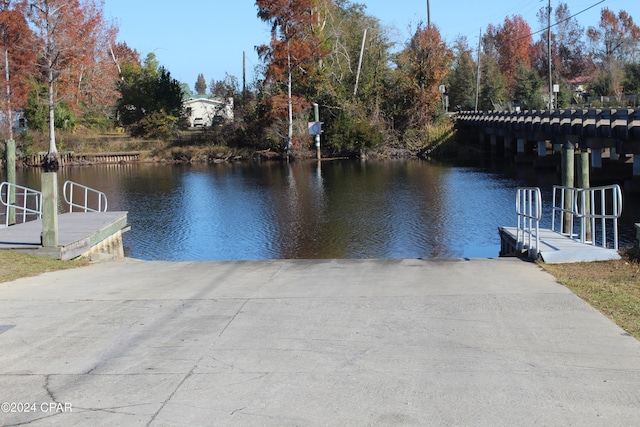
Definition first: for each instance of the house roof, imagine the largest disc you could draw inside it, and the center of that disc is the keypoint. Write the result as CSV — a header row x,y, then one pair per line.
x,y
580,80
205,101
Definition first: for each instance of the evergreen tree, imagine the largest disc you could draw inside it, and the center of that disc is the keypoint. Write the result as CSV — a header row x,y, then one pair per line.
x,y
527,88
493,85
150,104
631,82
461,81
201,85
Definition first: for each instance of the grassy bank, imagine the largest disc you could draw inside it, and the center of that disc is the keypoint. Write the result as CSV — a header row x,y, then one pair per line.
x,y
611,287
14,265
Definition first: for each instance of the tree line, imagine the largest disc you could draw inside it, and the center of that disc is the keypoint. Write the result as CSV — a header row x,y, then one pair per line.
x,y
65,69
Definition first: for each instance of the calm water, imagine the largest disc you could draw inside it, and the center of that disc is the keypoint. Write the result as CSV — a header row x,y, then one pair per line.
x,y
340,209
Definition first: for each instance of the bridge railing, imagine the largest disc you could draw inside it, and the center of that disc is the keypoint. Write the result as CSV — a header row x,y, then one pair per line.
x,y
616,123
589,215
22,203
529,213
83,198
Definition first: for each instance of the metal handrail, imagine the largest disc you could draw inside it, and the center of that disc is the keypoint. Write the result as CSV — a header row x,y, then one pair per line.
x,y
586,209
90,194
592,214
565,208
529,213
18,193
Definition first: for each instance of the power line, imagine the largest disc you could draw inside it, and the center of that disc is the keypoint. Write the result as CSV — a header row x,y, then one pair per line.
x,y
570,17
548,27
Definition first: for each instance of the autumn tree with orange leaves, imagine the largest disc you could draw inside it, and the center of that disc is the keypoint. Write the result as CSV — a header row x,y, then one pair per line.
x,y
513,45
422,67
17,59
71,37
294,53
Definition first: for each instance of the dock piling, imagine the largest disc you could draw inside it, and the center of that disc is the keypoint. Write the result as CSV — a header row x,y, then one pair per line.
x,y
567,181
49,209
10,158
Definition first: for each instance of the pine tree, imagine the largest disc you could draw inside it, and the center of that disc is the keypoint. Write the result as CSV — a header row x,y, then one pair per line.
x,y
201,85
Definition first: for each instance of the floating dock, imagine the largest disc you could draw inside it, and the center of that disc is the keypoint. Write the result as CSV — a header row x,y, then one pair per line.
x,y
555,247
79,234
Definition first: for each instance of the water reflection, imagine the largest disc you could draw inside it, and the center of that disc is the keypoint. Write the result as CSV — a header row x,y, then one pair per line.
x,y
332,209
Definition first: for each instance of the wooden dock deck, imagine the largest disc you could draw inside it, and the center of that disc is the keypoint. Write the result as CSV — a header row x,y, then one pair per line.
x,y
558,248
79,233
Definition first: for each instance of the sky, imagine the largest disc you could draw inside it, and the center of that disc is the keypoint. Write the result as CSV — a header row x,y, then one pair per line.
x,y
209,36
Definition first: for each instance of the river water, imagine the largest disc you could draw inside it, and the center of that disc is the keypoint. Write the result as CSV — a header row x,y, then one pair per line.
x,y
301,210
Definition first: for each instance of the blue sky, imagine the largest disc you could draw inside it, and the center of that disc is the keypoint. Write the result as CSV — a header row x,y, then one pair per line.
x,y
209,36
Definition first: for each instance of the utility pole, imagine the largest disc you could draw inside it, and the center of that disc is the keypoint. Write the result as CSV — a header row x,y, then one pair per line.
x,y
364,38
244,76
549,56
478,71
428,14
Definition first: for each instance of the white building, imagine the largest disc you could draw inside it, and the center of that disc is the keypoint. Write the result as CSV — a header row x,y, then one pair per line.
x,y
204,112
19,123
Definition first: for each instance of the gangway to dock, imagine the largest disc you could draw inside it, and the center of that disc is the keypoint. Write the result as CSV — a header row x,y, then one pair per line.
x,y
584,225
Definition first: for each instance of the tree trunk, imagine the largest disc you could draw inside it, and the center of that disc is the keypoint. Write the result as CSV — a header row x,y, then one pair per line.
x,y
290,105
51,162
9,112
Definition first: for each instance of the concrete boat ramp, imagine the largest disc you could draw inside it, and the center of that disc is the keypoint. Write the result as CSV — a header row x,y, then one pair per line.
x,y
306,343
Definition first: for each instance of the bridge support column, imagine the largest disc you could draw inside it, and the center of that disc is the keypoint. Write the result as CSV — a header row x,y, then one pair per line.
x,y
613,154
596,158
507,145
636,165
542,148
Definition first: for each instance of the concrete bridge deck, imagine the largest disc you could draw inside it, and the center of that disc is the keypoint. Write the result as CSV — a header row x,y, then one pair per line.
x,y
327,342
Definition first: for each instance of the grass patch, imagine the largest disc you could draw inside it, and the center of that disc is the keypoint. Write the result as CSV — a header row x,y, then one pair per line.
x,y
15,265
611,287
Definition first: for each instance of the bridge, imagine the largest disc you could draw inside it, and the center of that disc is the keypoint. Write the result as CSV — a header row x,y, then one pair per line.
x,y
612,134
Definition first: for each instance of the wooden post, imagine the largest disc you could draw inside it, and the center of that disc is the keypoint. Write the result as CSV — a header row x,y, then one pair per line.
x,y
583,182
49,209
10,158
567,181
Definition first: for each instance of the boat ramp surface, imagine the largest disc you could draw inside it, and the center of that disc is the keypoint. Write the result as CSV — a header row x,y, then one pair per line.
x,y
312,342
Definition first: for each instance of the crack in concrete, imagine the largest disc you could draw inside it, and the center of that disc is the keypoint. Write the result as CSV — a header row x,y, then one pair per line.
x,y
196,364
